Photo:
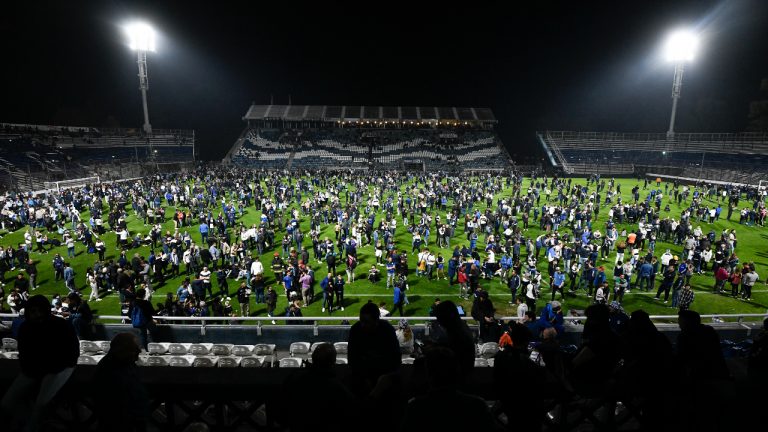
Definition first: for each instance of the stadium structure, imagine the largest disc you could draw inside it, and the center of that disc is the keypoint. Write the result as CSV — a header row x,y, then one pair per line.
x,y
722,157
369,137
40,157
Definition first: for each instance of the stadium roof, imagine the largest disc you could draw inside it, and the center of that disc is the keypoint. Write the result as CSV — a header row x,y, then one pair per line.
x,y
366,113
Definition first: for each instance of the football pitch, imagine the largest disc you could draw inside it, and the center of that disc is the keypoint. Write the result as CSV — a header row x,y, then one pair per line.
x,y
422,292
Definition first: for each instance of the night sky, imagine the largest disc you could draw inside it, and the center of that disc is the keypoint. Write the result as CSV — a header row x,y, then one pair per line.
x,y
575,65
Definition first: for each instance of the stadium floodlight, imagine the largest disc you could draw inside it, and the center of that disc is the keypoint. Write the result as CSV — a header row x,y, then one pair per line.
x,y
141,38
681,47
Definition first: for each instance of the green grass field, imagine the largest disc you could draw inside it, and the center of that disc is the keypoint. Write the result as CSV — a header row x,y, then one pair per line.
x,y
751,247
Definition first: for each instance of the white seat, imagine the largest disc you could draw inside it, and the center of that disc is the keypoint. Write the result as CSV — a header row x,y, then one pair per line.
x,y
481,362
408,360
90,360
158,347
488,350
491,362
299,348
181,361
179,349
87,347
252,362
342,360
269,350
10,344
205,361
229,362
242,350
157,361
314,346
104,345
291,362
342,348
221,349
200,349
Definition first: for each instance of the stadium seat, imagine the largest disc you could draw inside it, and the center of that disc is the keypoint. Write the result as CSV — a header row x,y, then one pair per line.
x,y
181,361
314,346
408,360
221,349
157,361
242,350
205,361
200,349
481,362
252,362
179,349
300,349
157,347
89,347
342,360
104,345
488,350
491,362
229,362
89,360
10,344
291,362
342,349
269,350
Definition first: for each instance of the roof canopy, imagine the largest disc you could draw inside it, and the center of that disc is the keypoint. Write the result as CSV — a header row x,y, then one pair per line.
x,y
333,113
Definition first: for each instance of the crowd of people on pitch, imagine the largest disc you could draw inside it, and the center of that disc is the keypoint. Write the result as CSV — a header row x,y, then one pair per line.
x,y
211,245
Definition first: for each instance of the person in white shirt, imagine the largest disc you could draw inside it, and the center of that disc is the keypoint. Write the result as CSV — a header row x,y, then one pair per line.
x,y
666,258
383,312
522,308
257,268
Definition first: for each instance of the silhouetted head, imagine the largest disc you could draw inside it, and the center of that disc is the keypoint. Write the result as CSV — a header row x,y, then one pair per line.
x,y
37,308
324,356
447,314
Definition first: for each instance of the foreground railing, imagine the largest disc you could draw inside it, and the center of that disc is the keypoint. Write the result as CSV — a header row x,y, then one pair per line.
x,y
343,320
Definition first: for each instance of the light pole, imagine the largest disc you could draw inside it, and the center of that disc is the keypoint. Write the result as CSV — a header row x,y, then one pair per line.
x,y
142,39
681,47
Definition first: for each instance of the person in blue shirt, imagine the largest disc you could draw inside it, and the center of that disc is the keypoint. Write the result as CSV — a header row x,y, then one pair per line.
x,y
398,300
558,280
288,285
204,231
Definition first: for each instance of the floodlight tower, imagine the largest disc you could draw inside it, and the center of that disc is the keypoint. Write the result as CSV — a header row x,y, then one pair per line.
x,y
680,48
142,39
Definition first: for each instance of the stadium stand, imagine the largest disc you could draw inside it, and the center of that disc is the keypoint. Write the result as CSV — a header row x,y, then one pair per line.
x,y
33,156
363,137
738,158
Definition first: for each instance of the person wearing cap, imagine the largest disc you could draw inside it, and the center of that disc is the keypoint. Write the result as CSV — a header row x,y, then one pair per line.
x,y
558,280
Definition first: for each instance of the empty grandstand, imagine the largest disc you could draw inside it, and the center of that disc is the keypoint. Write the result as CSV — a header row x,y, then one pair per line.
x,y
34,156
739,158
369,137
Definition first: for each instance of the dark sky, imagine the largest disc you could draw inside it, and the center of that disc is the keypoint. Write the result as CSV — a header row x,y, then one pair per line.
x,y
575,65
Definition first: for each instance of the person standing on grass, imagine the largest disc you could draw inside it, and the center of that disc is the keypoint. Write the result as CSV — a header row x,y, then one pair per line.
x,y
244,298
686,298
748,281
398,300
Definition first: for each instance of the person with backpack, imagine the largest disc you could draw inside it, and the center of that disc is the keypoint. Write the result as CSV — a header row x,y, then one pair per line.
x,y
142,313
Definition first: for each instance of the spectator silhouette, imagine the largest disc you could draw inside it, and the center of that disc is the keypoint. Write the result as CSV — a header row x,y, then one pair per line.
x,y
599,353
444,407
373,349
319,383
121,402
519,384
453,333
48,352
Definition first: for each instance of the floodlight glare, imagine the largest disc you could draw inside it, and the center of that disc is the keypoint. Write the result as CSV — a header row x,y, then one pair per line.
x,y
681,46
141,37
